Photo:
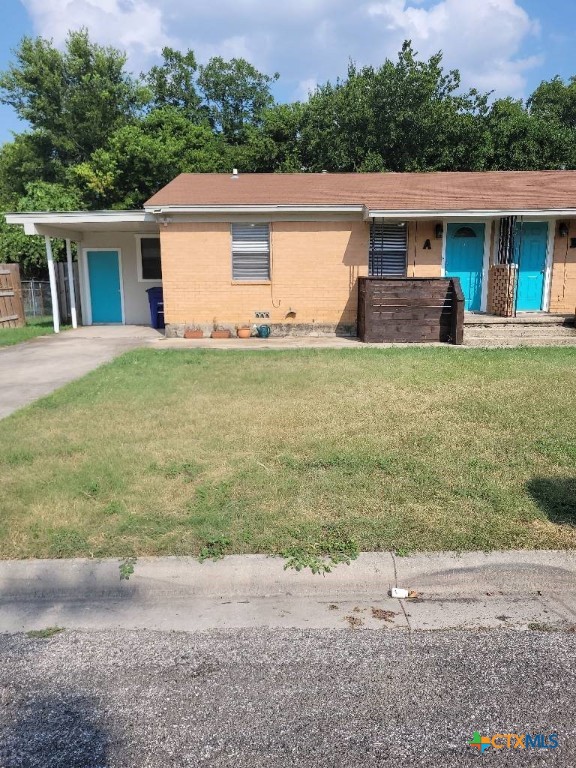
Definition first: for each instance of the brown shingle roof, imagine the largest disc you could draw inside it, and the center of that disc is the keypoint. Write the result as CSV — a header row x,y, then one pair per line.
x,y
491,190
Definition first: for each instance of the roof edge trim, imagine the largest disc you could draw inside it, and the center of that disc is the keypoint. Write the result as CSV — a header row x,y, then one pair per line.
x,y
65,217
473,213
200,209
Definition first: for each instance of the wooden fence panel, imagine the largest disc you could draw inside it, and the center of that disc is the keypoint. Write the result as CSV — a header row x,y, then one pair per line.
x,y
64,291
410,309
11,307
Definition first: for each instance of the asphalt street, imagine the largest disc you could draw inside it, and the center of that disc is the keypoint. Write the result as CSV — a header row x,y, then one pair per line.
x,y
284,698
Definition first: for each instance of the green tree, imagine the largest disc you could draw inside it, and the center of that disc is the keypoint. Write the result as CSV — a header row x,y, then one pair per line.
x,y
28,251
407,115
521,141
75,97
140,158
274,145
553,104
173,84
236,94
555,100
26,159
100,138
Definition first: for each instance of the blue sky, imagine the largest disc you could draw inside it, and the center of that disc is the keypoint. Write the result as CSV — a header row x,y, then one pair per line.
x,y
504,45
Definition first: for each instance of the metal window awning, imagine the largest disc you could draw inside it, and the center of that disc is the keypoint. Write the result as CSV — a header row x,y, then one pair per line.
x,y
250,252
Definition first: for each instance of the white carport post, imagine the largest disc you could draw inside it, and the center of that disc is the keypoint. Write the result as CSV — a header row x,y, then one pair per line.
x,y
71,283
53,287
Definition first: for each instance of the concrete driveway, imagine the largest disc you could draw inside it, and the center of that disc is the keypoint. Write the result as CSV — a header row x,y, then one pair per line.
x,y
36,368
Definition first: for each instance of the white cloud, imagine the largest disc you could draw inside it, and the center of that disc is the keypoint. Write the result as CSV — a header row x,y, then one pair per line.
x,y
482,39
305,88
136,26
310,41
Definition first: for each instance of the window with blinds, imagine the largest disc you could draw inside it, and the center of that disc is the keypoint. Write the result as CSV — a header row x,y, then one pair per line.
x,y
388,249
251,252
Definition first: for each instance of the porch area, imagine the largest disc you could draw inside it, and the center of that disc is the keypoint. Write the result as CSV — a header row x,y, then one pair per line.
x,y
525,329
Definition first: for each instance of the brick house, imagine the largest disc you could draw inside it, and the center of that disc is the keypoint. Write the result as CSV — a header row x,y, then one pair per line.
x,y
287,249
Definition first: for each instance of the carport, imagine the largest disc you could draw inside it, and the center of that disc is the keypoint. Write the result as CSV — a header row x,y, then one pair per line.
x,y
110,247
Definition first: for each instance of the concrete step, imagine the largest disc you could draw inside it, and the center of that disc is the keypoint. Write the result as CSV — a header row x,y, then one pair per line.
x,y
520,341
505,331
473,319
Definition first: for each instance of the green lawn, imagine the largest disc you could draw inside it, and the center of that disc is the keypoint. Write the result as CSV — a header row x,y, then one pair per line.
x,y
35,326
406,449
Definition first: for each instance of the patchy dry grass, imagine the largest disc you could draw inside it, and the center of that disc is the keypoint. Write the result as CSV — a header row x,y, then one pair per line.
x,y
406,449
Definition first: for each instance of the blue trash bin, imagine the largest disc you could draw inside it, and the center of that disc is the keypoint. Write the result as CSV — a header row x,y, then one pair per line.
x,y
156,301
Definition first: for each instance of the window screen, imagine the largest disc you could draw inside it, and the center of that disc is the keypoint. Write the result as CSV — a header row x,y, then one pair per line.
x,y
388,247
150,255
251,252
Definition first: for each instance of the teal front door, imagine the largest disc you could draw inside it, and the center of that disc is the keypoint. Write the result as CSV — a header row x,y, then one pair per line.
x,y
465,260
105,288
531,244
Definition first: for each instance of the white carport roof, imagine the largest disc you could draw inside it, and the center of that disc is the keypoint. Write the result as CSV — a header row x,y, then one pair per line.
x,y
71,225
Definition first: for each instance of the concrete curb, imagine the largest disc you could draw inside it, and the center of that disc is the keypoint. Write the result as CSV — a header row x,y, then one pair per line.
x,y
251,576
471,590
436,574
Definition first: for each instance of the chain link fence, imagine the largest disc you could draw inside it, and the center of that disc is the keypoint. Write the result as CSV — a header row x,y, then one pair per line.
x,y
36,298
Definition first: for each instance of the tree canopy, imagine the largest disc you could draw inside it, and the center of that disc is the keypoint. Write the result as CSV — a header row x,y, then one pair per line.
x,y
74,97
173,84
236,95
99,137
407,115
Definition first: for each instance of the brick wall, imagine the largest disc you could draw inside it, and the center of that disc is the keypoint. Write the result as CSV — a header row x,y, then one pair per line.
x,y
501,289
314,265
563,286
424,263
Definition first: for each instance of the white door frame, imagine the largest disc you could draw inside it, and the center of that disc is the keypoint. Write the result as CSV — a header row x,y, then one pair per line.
x,y
85,287
488,228
549,263
547,289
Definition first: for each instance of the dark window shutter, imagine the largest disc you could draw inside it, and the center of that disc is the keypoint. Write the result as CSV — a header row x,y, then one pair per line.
x,y
251,252
388,248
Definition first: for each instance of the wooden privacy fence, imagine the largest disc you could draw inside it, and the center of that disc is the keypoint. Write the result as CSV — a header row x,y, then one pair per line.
x,y
64,291
11,307
397,309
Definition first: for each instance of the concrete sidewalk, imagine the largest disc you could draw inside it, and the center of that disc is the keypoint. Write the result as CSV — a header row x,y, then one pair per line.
x,y
475,590
36,368
283,343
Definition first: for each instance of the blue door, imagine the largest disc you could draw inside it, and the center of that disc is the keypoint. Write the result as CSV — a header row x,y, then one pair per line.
x,y
105,291
465,259
531,243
